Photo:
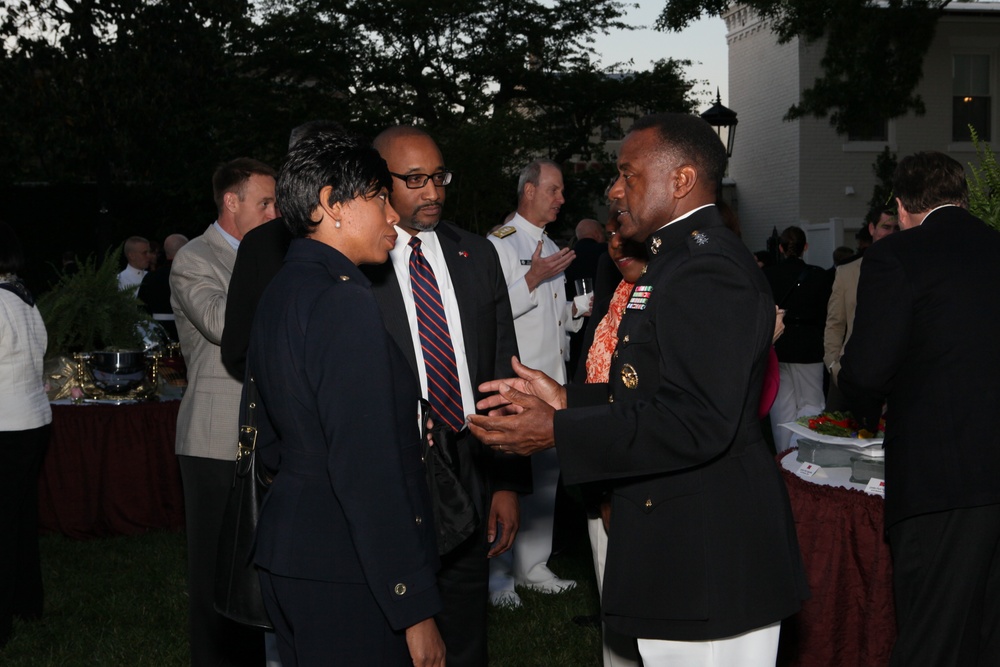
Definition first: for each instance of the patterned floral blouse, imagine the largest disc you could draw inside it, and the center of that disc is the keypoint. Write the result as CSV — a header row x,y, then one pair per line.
x,y
606,335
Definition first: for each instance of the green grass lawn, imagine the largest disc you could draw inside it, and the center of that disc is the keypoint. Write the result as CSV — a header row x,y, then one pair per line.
x,y
122,602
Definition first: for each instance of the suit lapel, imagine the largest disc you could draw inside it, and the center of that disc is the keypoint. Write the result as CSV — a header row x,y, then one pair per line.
x,y
463,282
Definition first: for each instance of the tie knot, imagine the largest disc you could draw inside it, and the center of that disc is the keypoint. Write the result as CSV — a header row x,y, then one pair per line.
x,y
415,243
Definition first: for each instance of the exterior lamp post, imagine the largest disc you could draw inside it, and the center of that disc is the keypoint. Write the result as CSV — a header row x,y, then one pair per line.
x,y
721,118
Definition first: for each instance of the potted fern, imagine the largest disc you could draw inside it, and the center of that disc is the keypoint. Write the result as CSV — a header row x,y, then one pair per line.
x,y
88,318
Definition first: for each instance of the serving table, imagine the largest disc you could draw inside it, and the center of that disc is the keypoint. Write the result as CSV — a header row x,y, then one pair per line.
x,y
849,620
111,470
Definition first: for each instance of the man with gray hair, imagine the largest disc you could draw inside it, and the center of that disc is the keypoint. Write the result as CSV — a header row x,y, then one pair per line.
x,y
533,267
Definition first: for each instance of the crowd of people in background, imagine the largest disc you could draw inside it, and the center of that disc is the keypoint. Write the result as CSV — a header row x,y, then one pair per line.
x,y
636,364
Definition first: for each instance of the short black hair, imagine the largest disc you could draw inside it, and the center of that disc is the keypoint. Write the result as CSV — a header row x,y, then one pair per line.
x,y
233,176
11,253
926,180
343,161
692,140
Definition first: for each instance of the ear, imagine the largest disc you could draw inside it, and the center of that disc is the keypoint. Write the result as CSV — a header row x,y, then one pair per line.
x,y
231,201
685,178
529,191
324,209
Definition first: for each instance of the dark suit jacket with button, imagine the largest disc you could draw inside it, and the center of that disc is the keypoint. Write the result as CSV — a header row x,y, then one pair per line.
x,y
338,422
702,543
926,340
260,255
803,291
490,342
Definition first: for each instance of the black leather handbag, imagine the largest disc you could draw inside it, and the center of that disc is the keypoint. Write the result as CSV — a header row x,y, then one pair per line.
x,y
237,586
455,516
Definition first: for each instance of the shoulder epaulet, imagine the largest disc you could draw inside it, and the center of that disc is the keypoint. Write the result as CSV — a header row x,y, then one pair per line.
x,y
698,239
505,231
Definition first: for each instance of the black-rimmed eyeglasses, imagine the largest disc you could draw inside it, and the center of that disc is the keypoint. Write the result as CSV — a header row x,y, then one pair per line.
x,y
417,181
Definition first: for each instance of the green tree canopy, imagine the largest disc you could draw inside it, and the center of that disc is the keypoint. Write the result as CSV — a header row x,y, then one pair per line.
x,y
874,51
154,94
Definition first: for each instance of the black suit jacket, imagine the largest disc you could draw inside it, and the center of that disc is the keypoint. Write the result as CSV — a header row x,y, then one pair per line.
x,y
927,340
702,543
258,260
803,290
488,330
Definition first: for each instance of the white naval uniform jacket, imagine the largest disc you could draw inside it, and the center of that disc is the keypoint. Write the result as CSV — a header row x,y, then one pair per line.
x,y
543,319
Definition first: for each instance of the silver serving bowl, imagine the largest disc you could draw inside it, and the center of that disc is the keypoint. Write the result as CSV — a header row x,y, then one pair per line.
x,y
117,372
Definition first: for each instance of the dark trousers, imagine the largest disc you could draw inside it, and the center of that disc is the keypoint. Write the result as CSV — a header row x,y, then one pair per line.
x,y
463,582
21,457
215,641
327,624
946,583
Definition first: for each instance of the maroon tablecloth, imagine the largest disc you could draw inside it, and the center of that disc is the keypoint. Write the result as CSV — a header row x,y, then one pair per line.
x,y
111,470
850,618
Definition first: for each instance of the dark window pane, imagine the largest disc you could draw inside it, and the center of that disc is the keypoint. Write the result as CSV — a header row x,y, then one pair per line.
x,y
875,130
969,110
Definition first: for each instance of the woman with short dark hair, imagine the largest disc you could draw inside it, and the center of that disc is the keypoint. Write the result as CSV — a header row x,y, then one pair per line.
x,y
345,544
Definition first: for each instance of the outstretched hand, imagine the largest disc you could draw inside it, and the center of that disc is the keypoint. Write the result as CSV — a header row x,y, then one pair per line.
x,y
527,381
543,268
521,414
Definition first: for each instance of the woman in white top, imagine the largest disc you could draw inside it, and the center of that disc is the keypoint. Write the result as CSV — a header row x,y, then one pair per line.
x,y
25,418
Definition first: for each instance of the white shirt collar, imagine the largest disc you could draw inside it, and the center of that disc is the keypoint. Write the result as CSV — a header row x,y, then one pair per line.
x,y
686,215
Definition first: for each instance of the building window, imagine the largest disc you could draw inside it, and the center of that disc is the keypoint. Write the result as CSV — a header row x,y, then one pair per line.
x,y
970,96
876,130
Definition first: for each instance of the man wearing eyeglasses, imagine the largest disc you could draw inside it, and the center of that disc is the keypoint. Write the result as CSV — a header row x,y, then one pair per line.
x,y
472,341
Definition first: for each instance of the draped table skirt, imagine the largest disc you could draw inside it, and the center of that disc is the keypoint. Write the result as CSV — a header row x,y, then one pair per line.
x,y
111,470
849,620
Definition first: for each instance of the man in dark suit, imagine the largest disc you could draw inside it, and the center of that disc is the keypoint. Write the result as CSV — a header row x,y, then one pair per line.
x,y
702,560
154,291
481,328
925,341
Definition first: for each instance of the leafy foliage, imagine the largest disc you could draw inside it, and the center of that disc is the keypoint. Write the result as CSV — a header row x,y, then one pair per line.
x,y
883,168
984,184
156,94
874,51
87,312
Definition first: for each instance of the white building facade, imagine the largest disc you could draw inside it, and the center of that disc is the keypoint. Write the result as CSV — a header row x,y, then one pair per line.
x,y
802,172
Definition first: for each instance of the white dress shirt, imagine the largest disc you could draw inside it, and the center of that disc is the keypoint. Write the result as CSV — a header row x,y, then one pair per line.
x,y
400,257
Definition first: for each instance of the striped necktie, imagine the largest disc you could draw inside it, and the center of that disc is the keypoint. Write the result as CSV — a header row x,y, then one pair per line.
x,y
444,392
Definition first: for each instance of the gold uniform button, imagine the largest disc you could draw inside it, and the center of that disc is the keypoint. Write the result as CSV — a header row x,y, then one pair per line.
x,y
611,399
400,589
630,377
649,502
615,355
625,339
419,520
345,278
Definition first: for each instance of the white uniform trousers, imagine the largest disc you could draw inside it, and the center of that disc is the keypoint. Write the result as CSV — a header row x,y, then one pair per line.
x,y
525,563
619,650
800,394
753,648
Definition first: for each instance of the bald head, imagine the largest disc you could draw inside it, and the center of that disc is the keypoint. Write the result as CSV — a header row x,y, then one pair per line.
x,y
590,229
172,244
390,134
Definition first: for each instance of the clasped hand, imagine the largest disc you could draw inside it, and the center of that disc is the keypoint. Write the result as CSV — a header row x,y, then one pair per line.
x,y
520,411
